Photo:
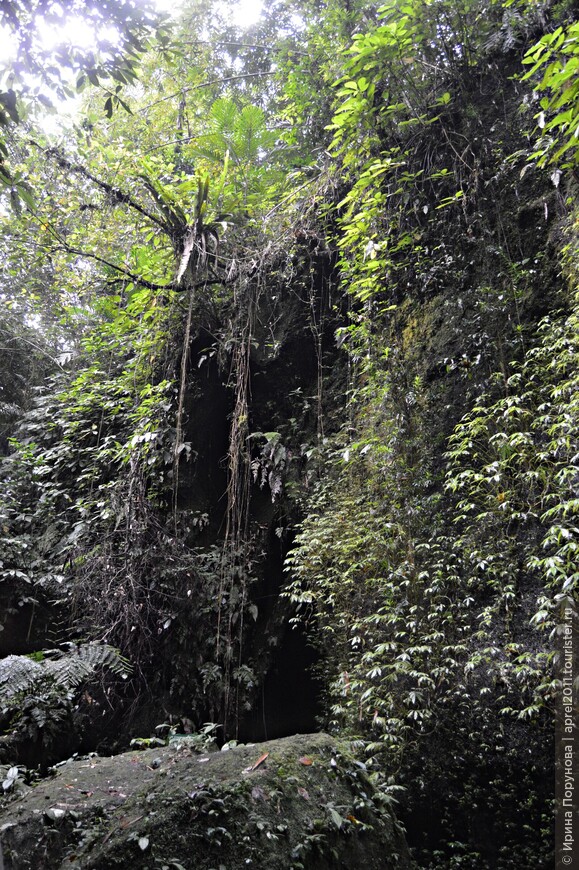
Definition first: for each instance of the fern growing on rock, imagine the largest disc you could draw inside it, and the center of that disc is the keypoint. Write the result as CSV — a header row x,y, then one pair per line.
x,y
37,692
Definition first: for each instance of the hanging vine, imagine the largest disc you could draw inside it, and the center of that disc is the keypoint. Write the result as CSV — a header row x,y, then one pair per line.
x,y
236,552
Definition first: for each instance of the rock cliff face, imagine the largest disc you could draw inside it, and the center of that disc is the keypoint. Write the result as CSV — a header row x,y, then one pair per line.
x,y
300,802
318,421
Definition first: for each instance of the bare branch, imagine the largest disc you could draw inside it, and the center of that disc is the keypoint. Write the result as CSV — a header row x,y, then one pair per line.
x,y
207,84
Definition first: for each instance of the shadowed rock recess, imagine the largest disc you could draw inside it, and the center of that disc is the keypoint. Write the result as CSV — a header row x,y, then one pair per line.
x,y
298,802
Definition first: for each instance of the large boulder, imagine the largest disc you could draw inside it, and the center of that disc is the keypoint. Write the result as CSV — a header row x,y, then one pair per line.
x,y
298,802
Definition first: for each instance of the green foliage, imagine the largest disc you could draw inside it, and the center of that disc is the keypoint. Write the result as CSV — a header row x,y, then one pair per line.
x,y
60,72
103,435
430,612
37,692
360,583
239,135
514,461
556,57
133,245
393,204
242,132
422,615
422,597
403,81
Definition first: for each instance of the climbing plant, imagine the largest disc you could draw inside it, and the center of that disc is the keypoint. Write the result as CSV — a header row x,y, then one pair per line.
x,y
337,204
420,620
556,57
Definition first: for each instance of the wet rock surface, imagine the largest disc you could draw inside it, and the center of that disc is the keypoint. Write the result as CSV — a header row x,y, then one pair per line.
x,y
298,802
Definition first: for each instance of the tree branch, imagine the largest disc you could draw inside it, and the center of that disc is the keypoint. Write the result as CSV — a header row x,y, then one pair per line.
x,y
151,285
115,193
206,85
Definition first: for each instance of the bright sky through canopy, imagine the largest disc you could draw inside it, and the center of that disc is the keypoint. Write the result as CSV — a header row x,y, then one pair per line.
x,y
244,12
78,32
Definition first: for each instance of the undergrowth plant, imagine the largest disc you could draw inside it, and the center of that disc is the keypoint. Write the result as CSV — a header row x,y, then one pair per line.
x,y
38,691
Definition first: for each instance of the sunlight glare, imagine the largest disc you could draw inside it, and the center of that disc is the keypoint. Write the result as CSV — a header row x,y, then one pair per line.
x,y
7,45
74,31
243,13
246,12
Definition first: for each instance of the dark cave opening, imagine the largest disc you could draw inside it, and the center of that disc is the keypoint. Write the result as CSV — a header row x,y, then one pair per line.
x,y
289,700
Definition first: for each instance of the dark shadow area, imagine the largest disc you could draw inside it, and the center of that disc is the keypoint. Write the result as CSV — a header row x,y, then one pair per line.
x,y
289,699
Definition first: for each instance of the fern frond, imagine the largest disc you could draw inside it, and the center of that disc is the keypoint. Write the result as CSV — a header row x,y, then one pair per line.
x,y
17,675
21,675
70,669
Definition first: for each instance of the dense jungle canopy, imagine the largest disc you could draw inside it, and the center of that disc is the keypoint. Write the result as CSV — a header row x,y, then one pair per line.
x,y
289,392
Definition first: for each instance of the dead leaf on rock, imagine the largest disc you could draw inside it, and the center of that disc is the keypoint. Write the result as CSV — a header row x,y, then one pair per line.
x,y
259,761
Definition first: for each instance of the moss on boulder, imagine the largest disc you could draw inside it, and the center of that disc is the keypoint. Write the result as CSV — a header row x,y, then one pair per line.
x,y
299,802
